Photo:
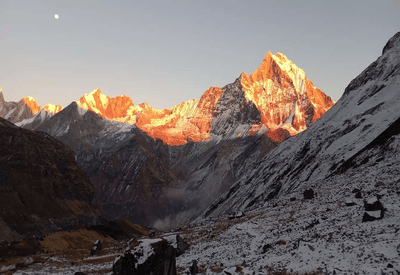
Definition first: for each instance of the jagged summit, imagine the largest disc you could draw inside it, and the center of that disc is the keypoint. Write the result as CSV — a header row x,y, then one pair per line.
x,y
277,99
394,41
31,103
53,109
286,99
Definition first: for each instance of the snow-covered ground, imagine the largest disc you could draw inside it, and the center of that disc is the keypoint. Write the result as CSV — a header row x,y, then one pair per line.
x,y
321,234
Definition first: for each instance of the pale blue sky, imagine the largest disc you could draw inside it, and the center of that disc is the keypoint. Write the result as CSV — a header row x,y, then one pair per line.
x,y
166,52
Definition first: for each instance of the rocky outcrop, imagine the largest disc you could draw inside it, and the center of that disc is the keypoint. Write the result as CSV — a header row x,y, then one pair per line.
x,y
151,256
374,210
41,187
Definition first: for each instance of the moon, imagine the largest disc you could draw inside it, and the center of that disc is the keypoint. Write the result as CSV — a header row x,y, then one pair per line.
x,y
56,16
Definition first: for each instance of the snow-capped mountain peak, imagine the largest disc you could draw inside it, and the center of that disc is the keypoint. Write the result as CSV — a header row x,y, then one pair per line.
x,y
95,101
52,108
286,99
31,103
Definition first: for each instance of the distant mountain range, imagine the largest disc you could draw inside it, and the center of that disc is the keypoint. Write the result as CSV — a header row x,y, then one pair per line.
x,y
277,99
162,167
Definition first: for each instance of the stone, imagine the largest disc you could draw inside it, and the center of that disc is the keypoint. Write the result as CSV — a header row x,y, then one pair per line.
x,y
350,203
178,244
182,246
266,247
194,269
96,248
379,184
125,265
159,259
236,215
370,216
373,204
358,195
374,210
308,194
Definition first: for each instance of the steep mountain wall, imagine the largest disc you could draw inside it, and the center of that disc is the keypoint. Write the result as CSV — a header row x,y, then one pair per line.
x,y
360,122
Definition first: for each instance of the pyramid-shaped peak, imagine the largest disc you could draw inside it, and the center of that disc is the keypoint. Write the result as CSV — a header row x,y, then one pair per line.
x,y
96,91
31,103
28,98
286,64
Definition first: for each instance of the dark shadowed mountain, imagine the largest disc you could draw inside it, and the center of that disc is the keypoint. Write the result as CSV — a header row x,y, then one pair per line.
x,y
42,189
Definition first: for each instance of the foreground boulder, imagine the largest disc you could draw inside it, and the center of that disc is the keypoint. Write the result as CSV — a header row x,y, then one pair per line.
x,y
308,194
374,210
96,248
151,256
177,243
194,269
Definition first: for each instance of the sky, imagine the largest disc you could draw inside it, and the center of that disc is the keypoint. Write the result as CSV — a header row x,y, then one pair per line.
x,y
167,52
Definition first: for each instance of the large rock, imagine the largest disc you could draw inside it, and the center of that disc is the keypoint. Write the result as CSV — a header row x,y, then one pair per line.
x,y
178,243
96,248
374,210
151,256
308,194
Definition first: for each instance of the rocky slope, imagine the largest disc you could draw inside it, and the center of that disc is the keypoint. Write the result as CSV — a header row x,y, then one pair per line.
x,y
362,125
41,187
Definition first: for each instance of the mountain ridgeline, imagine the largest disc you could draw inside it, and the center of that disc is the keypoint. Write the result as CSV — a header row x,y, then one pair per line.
x,y
164,167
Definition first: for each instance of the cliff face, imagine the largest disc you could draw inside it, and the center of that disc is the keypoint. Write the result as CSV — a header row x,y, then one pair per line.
x,y
41,187
286,99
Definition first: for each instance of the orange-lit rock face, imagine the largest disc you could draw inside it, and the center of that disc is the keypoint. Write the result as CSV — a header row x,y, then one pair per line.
x,y
187,121
31,104
53,109
118,108
286,99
